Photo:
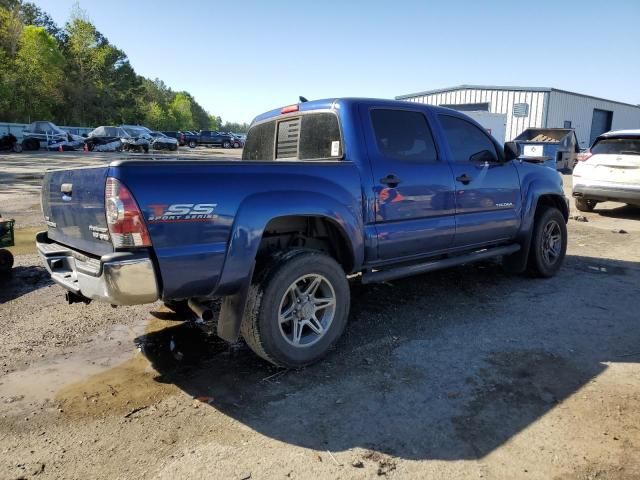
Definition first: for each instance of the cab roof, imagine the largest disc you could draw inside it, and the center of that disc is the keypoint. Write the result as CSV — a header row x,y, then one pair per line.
x,y
336,103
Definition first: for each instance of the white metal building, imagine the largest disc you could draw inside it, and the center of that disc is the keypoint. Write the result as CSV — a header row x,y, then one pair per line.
x,y
527,107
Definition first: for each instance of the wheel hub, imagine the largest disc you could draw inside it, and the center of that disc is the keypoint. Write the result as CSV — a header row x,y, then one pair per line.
x,y
307,310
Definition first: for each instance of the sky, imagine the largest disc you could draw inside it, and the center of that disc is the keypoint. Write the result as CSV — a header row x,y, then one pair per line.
x,y
242,58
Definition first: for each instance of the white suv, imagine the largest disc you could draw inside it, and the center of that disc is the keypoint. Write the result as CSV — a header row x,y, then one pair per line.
x,y
609,171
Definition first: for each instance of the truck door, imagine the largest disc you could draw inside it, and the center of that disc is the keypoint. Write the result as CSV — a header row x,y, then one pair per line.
x,y
412,189
487,192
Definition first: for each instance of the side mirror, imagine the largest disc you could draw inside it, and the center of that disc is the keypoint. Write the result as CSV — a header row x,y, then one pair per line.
x,y
484,156
511,151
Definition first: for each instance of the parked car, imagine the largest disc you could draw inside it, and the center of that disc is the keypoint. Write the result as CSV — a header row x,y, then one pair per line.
x,y
179,135
138,140
384,189
211,138
609,171
43,134
237,142
106,139
161,141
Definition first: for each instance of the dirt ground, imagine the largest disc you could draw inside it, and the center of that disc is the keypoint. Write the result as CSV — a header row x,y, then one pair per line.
x,y
462,373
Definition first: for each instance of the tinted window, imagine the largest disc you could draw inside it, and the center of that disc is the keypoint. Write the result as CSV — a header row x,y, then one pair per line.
x,y
318,136
313,136
403,135
466,140
617,146
259,144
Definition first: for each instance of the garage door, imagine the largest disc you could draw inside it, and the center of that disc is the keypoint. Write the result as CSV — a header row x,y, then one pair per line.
x,y
600,123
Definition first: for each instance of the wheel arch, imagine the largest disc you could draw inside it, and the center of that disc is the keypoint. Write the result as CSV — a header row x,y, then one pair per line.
x,y
259,212
537,200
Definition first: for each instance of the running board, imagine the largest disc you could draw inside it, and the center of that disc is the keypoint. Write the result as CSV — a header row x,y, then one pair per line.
x,y
418,268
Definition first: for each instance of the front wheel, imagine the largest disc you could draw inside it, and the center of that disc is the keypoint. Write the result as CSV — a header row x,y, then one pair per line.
x,y
548,244
297,309
226,144
192,144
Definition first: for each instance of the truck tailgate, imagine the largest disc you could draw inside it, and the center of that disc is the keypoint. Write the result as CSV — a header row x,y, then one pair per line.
x,y
73,206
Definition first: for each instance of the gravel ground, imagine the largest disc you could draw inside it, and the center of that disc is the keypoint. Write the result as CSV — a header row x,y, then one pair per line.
x,y
463,373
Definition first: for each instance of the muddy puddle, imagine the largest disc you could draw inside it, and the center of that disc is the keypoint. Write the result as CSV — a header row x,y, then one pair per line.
x,y
132,368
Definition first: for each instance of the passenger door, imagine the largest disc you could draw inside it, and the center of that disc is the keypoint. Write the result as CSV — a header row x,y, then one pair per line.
x,y
412,191
487,190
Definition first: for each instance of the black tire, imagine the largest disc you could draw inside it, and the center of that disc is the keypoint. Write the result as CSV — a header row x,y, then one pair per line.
x,y
145,149
261,327
542,263
226,144
236,144
585,205
16,147
30,144
6,261
193,144
174,148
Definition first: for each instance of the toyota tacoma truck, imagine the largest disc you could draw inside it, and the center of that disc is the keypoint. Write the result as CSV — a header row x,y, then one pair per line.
x,y
373,190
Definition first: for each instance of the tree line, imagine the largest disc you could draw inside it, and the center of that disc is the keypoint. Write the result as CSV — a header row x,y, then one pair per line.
x,y
75,76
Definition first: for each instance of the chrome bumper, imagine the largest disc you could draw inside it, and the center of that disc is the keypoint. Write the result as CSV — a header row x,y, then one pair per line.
x,y
122,278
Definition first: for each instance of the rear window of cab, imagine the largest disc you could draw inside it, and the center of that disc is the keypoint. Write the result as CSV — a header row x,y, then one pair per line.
x,y
310,136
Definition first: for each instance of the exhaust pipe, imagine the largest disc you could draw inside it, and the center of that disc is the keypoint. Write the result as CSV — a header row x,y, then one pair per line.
x,y
203,312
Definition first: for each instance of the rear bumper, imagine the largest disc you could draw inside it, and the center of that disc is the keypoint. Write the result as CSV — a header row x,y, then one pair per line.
x,y
122,278
604,193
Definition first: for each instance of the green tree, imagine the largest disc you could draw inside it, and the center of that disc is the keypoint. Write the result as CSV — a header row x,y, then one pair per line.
x,y
39,68
181,109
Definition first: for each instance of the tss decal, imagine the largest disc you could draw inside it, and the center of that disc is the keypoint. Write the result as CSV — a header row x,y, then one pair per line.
x,y
182,212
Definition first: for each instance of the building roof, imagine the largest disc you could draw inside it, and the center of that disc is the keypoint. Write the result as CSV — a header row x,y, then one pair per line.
x,y
509,88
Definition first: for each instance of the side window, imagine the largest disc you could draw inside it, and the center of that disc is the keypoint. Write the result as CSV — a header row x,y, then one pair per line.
x,y
403,135
467,142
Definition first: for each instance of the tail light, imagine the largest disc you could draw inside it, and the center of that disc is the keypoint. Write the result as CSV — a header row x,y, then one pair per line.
x,y
586,155
124,218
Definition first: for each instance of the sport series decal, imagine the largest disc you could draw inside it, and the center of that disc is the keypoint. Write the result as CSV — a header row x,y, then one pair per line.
x,y
182,212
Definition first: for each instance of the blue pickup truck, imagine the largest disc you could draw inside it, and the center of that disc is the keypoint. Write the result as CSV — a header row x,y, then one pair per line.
x,y
371,189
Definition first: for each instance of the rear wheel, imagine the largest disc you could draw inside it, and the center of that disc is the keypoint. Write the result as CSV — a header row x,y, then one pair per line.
x,y
297,309
193,144
226,144
548,243
585,205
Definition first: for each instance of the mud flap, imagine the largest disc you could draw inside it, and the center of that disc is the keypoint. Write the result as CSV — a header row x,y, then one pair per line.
x,y
517,262
232,311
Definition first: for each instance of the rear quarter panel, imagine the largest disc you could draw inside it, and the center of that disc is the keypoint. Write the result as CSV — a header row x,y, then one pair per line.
x,y
203,257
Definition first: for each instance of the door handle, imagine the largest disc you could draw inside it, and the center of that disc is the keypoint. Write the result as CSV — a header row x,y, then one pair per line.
x,y
390,180
464,179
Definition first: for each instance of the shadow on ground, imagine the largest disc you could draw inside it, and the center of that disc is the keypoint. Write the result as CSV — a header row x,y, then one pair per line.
x,y
23,280
449,365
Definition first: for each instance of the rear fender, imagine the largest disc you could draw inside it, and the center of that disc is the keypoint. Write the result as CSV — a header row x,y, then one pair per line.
x,y
252,218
